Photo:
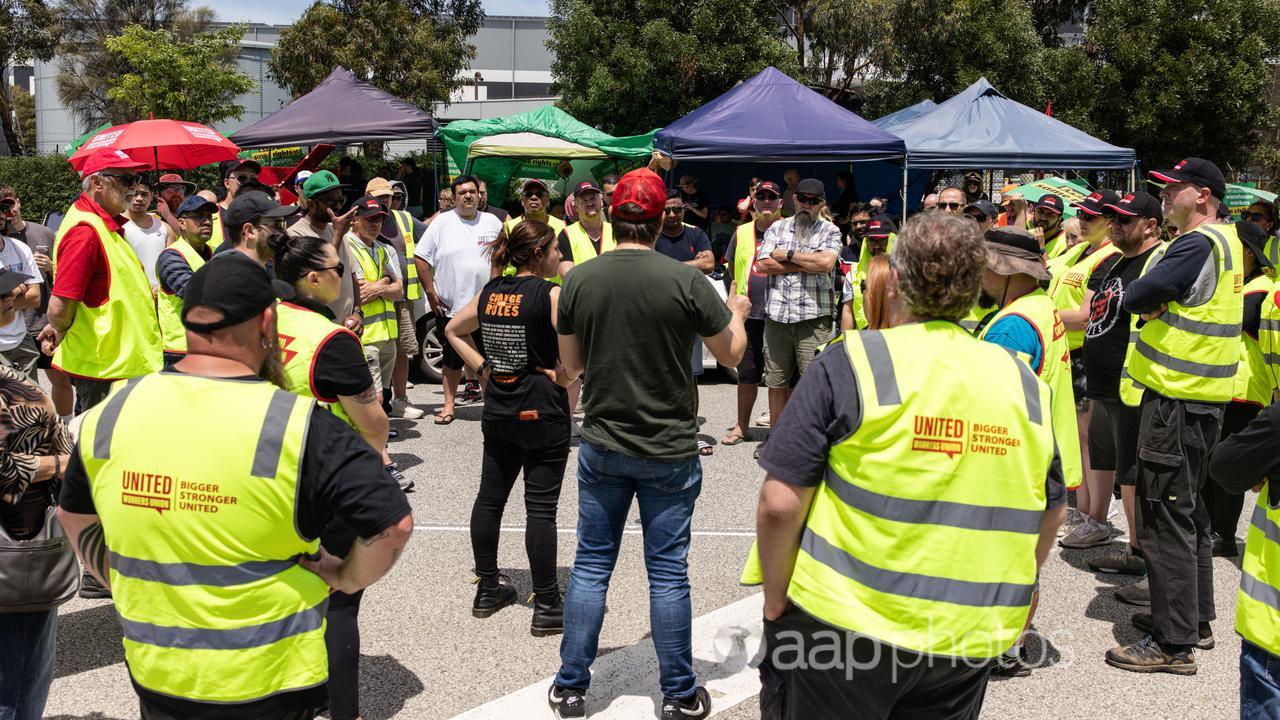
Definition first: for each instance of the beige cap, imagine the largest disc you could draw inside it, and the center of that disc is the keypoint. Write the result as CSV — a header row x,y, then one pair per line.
x,y
378,187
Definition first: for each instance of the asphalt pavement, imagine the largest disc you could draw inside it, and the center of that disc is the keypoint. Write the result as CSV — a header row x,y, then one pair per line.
x,y
425,657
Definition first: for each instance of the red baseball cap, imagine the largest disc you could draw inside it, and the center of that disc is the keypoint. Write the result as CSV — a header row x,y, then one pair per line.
x,y
105,159
640,195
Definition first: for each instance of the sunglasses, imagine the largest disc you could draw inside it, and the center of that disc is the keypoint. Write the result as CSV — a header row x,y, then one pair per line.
x,y
535,193
126,179
766,196
1121,219
950,206
243,178
807,199
339,268
672,211
1246,215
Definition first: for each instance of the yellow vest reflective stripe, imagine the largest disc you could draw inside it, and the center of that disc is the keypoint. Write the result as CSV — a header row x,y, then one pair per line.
x,y
1253,380
1071,279
1269,337
1258,601
120,338
217,611
1055,246
412,288
380,321
923,533
169,305
744,255
581,245
1055,369
556,225
1191,352
302,333
975,317
215,240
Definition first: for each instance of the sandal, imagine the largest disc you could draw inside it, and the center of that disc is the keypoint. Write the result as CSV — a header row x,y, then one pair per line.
x,y
733,438
444,419
705,448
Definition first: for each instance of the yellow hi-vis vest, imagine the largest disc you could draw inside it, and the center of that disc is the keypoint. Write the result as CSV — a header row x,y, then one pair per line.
x,y
556,225
580,243
923,533
1071,278
1269,337
215,240
1272,250
412,288
744,255
302,333
201,537
1253,380
975,317
169,305
1258,600
1131,391
1191,351
380,321
858,275
1055,369
1055,246
120,338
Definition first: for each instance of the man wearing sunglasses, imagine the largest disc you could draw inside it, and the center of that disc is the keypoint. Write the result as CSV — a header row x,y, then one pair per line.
x,y
100,285
951,200
174,268
534,198
325,200
798,254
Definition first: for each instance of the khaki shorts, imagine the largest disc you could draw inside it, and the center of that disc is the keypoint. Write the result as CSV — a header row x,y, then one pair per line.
x,y
408,340
790,347
381,357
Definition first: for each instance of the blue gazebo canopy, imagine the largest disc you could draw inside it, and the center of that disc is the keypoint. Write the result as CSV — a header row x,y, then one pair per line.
x,y
773,118
887,122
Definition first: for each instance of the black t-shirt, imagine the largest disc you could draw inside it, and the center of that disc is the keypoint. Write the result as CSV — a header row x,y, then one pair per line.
x,y
566,246
696,199
341,481
685,246
518,334
1107,334
825,409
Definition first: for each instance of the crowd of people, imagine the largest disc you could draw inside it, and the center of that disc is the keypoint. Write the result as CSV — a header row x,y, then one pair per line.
x,y
946,399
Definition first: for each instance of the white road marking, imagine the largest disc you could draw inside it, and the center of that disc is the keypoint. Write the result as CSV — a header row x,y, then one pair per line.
x,y
624,683
573,531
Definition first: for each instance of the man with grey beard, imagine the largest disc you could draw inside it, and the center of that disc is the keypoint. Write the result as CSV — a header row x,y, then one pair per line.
x,y
798,254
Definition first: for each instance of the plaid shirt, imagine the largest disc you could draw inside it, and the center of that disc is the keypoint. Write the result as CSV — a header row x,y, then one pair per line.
x,y
799,296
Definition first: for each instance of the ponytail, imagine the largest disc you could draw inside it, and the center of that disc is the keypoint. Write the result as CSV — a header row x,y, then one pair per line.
x,y
517,249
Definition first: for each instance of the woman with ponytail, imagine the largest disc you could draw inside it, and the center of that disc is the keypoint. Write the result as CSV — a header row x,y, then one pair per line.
x,y
526,415
324,360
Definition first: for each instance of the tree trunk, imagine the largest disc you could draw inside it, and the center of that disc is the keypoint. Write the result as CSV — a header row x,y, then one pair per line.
x,y
800,32
6,110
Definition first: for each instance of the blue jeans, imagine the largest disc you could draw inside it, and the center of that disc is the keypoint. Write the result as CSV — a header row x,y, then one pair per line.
x,y
26,663
607,480
1259,683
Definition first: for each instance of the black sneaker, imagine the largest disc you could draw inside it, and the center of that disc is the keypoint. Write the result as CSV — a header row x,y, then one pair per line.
x,y
91,589
471,393
1146,656
392,434
394,471
1012,664
567,702
697,705
1143,623
1225,547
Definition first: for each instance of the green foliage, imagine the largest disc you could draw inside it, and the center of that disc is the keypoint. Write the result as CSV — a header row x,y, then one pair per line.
x,y
24,107
413,50
184,79
627,67
45,183
28,29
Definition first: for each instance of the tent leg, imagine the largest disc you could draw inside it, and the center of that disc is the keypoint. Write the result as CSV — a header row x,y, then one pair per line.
x,y
904,190
1133,177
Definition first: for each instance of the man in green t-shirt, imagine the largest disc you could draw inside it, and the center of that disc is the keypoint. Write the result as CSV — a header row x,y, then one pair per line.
x,y
630,317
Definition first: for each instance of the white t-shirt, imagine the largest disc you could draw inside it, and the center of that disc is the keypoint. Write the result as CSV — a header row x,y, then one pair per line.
x,y
148,244
458,252
15,256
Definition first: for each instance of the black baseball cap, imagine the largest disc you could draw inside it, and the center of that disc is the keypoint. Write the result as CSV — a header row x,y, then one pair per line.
x,y
369,206
986,207
230,166
1098,199
254,205
812,186
1251,236
1050,202
1196,171
881,226
1138,204
10,280
237,286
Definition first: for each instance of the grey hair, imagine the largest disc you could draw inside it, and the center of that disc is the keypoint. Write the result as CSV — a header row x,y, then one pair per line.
x,y
84,184
939,259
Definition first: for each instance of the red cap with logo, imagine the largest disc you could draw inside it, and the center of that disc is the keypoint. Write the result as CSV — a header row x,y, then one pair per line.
x,y
107,159
640,195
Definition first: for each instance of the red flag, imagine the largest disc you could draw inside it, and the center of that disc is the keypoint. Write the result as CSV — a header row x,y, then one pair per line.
x,y
1048,109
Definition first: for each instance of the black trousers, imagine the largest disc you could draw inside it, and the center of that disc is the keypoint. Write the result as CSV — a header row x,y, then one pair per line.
x,y
1224,508
1174,441
812,671
149,712
342,641
89,392
541,449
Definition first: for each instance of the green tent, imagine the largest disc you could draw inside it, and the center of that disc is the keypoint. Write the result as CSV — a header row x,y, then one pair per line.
x,y
546,143
1069,191
75,144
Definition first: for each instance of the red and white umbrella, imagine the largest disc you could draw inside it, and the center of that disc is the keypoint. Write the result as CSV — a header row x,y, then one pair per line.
x,y
161,144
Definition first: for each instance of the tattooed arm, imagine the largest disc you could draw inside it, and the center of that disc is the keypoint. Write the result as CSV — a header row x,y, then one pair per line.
x,y
85,533
369,559
365,411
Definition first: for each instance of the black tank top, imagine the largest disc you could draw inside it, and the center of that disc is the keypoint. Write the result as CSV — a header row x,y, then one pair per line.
x,y
518,335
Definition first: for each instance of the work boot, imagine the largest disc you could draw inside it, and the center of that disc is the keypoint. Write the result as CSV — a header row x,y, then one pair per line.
x,y
1126,563
1143,623
1225,547
491,596
1146,656
548,615
1138,593
1012,663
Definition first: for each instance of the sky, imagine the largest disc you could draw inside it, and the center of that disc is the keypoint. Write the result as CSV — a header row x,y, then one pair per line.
x,y
281,12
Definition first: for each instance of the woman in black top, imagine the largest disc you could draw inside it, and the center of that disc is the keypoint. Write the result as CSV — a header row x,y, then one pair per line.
x,y
526,415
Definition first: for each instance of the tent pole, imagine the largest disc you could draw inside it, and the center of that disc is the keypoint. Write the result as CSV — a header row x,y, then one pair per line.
x,y
904,189
1133,177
